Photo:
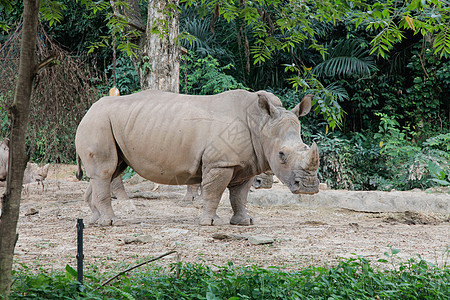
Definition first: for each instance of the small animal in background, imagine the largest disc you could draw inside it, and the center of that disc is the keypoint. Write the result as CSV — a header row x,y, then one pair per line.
x,y
33,173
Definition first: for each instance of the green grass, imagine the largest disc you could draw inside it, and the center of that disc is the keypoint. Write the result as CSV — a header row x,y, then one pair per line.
x,y
354,278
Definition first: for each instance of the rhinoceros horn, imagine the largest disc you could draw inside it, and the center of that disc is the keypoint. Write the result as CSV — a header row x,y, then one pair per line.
x,y
311,160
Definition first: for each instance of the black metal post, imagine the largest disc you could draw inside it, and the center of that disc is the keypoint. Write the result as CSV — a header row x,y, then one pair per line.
x,y
80,255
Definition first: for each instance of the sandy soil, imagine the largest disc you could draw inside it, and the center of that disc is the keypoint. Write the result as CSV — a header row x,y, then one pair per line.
x,y
302,237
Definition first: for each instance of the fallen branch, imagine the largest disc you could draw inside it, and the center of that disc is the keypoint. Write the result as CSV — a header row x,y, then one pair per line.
x,y
137,266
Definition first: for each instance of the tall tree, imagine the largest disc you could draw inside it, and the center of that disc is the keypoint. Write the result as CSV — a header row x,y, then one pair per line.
x,y
17,157
157,57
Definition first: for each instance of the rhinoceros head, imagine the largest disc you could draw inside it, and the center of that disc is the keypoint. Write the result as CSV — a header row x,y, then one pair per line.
x,y
292,161
4,157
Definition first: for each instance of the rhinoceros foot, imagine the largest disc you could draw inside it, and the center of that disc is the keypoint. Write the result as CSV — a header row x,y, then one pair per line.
x,y
110,222
243,220
93,220
210,221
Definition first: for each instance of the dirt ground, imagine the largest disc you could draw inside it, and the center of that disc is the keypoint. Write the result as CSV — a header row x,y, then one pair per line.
x,y
156,214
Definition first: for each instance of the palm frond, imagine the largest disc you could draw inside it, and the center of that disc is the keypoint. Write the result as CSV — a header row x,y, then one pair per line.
x,y
346,58
202,40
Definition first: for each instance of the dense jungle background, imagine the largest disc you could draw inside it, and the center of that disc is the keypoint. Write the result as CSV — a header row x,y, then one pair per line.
x,y
381,121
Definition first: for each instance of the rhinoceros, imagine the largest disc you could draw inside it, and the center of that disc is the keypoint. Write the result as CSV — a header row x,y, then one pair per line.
x,y
33,172
217,141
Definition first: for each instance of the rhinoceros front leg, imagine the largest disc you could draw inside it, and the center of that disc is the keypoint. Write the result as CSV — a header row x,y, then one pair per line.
x,y
214,183
238,200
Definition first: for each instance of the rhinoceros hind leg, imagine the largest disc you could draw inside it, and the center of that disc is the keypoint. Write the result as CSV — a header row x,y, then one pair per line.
x,y
117,188
238,200
101,200
211,220
192,192
214,183
94,218
88,200
110,222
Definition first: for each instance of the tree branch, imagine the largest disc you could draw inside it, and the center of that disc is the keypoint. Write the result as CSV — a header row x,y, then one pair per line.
x,y
136,266
46,62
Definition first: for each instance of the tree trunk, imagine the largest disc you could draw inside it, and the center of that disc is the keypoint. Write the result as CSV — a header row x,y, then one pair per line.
x,y
17,158
161,48
157,62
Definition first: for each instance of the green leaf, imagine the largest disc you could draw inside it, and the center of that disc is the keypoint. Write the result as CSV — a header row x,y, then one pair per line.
x,y
70,272
395,251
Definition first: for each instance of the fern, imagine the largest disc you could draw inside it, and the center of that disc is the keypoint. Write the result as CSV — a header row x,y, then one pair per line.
x,y
197,36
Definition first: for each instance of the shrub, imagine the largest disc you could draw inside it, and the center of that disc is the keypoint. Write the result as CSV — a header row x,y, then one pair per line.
x,y
205,76
412,164
348,163
353,278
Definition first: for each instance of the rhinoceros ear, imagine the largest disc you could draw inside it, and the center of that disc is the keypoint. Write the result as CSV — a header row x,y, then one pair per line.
x,y
264,103
304,107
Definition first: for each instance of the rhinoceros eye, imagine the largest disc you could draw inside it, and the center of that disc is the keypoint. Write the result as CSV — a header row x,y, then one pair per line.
x,y
283,157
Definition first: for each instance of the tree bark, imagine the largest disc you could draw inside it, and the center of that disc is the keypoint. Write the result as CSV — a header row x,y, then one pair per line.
x,y
17,159
157,62
162,49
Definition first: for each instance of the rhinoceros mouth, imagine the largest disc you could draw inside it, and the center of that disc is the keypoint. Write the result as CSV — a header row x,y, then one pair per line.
x,y
308,184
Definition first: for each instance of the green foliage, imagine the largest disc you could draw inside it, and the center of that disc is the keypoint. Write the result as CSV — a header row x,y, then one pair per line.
x,y
197,37
412,164
354,278
127,79
326,98
426,99
5,121
388,20
332,49
347,58
128,173
52,11
205,76
389,159
348,163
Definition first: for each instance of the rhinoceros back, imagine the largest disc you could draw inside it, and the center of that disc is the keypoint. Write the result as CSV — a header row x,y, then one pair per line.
x,y
163,136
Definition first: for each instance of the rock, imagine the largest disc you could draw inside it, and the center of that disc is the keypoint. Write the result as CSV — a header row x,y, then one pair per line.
x,y
144,239
364,201
260,240
138,239
225,236
175,231
323,186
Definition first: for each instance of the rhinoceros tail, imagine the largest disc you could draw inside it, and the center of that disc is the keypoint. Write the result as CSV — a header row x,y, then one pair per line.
x,y
79,170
